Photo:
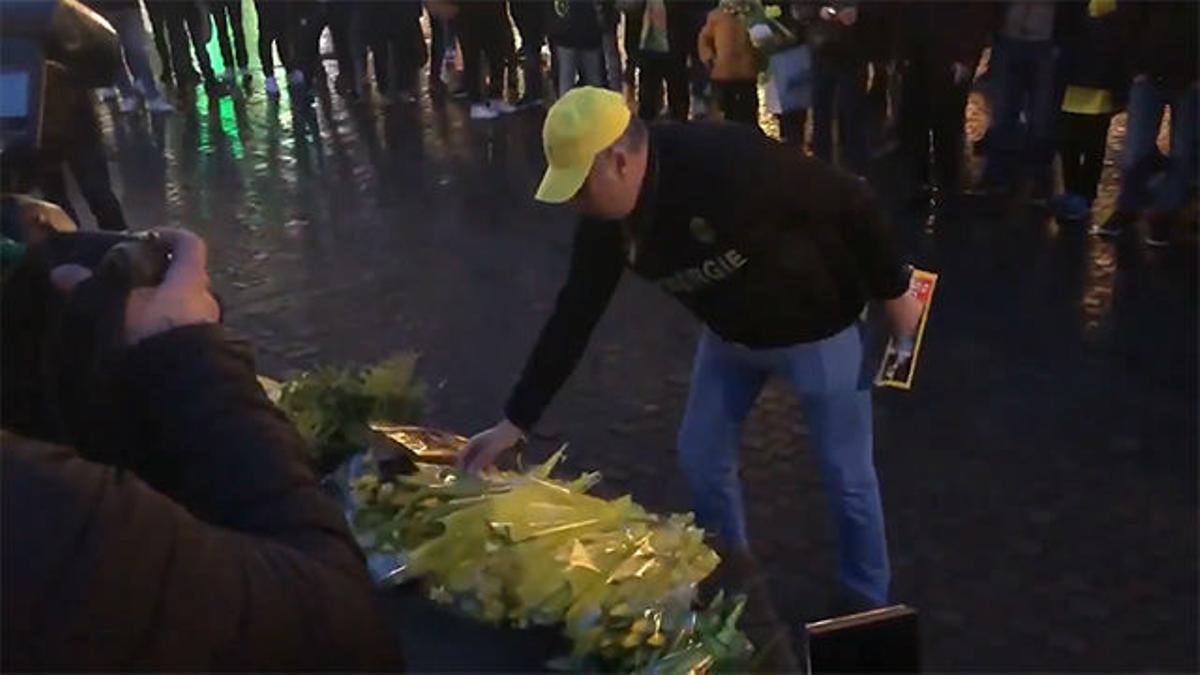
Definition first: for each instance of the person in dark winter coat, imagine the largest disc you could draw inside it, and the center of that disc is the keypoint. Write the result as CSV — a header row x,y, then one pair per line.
x,y
940,46
1163,61
1023,65
840,34
578,41
1093,66
204,543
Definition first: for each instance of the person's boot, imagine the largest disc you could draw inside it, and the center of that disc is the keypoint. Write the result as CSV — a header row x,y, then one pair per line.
x,y
740,574
1117,223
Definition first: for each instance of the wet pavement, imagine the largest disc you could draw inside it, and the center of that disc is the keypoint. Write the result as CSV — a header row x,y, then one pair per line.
x,y
1040,481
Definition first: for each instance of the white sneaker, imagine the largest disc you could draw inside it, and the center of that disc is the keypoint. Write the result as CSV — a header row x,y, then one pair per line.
x,y
296,78
502,107
159,104
271,86
128,104
483,111
107,93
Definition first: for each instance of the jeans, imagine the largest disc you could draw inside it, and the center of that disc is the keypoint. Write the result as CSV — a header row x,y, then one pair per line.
x,y
1147,101
1025,81
586,63
840,89
228,16
834,390
128,23
738,100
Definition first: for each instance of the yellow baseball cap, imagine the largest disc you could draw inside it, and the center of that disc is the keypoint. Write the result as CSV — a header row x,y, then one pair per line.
x,y
585,121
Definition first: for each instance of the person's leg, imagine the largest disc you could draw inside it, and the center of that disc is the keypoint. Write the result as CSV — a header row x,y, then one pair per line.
x,y
1145,107
835,395
1044,97
1181,168
612,61
1093,144
472,52
749,102
498,48
269,28
161,35
220,13
633,38
791,126
133,43
378,44
181,53
568,68
650,85
678,100
591,66
950,104
915,117
1004,138
851,115
1072,128
824,87
533,36
89,165
723,389
238,28
196,30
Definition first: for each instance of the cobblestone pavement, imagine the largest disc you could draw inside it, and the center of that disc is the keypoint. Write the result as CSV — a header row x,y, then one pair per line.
x,y
1040,481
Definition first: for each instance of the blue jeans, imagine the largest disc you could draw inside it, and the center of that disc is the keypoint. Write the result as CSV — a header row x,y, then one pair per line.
x,y
840,90
1025,83
1147,101
834,391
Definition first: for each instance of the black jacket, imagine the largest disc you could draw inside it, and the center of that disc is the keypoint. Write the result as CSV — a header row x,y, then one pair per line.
x,y
1095,50
217,550
576,24
766,246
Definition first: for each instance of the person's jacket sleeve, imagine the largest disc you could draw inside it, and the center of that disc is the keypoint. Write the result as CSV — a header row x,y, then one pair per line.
x,y
217,550
595,271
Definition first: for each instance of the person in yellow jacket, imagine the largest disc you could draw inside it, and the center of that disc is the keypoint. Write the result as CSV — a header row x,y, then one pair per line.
x,y
725,48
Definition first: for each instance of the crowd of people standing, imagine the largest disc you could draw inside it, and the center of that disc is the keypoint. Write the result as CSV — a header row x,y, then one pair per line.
x,y
856,79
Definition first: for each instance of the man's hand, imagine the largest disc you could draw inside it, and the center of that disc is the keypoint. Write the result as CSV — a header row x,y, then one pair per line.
x,y
182,299
485,448
847,16
904,315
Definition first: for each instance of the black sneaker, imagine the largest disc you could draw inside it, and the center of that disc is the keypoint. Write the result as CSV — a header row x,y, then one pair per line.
x,y
1116,224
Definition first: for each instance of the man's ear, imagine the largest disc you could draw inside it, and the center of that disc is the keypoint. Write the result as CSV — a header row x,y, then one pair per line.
x,y
620,161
